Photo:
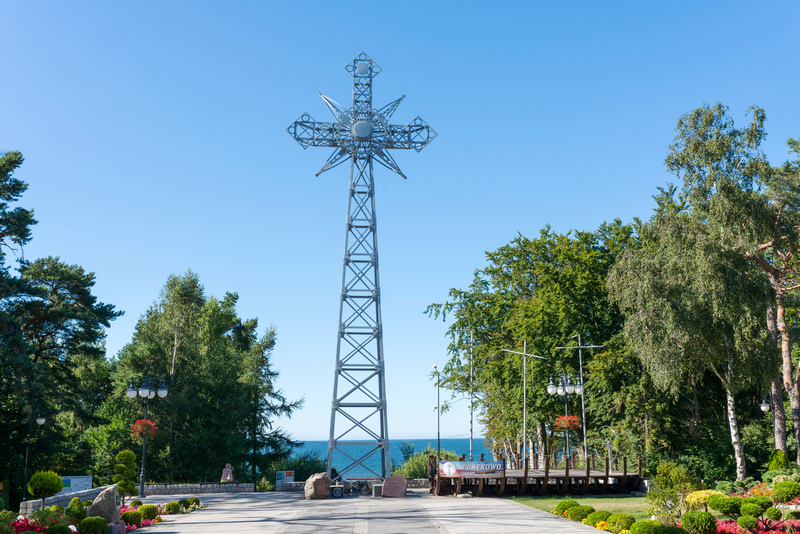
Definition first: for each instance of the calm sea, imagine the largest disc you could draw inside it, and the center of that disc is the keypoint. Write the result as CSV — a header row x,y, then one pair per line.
x,y
461,446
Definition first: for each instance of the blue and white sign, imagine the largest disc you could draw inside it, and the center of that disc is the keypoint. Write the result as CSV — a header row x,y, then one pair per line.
x,y
72,484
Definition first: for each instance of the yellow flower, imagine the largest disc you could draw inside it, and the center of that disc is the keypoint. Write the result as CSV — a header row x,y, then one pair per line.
x,y
583,520
553,511
565,513
601,525
626,531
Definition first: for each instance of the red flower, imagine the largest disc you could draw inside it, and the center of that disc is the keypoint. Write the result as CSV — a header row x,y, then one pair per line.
x,y
568,421
144,428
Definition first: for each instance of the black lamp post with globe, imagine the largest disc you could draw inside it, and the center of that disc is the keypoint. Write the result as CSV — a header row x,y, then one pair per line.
x,y
39,421
147,392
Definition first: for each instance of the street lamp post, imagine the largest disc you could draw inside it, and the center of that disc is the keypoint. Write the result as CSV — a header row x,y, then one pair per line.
x,y
39,421
566,388
438,416
147,392
525,355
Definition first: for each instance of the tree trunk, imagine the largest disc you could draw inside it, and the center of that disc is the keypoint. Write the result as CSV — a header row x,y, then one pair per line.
x,y
789,381
541,436
776,394
738,449
695,415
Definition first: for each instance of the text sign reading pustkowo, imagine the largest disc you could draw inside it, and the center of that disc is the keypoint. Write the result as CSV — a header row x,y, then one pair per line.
x,y
72,484
452,469
284,476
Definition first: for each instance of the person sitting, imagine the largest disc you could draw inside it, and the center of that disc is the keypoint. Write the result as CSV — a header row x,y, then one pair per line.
x,y
227,474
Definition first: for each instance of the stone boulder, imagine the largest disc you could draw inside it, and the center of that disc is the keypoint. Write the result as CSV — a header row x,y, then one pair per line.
x,y
318,486
394,487
106,505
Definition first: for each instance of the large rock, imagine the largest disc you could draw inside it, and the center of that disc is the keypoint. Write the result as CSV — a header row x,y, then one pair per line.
x,y
318,486
394,487
106,505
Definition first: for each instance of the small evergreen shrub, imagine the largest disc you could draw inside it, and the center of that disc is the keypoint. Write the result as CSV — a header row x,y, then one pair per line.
x,y
148,511
563,506
87,503
75,510
750,509
619,522
648,526
723,486
132,517
698,500
773,513
669,529
594,517
194,500
793,515
136,503
126,472
697,522
92,525
44,484
785,491
58,529
747,521
6,517
579,513
725,505
59,509
185,503
777,460
172,508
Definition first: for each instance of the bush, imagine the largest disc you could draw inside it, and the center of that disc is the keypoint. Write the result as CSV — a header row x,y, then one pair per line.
x,y
697,522
265,485
93,525
126,472
647,526
725,505
58,529
699,499
194,500
45,484
747,521
172,508
594,517
57,508
132,517
750,509
579,513
761,501
673,485
136,503
87,503
723,486
185,503
619,522
415,467
75,510
773,513
669,529
777,460
563,506
785,491
6,517
148,511
793,515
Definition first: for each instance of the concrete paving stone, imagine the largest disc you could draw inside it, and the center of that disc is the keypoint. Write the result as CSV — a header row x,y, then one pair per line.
x,y
419,512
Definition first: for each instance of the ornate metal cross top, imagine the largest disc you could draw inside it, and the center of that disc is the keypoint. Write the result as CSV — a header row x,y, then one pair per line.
x,y
362,135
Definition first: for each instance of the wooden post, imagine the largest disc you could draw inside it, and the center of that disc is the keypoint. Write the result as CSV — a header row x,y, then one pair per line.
x,y
481,457
524,477
546,475
586,482
624,474
605,481
566,477
536,461
503,480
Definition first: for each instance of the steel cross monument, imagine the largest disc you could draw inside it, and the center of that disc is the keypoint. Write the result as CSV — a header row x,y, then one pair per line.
x,y
361,135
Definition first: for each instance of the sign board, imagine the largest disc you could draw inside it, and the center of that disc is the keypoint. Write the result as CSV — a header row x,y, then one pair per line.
x,y
73,484
284,476
450,469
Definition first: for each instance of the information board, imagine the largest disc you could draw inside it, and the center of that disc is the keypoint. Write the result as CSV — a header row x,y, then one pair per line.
x,y
284,476
72,484
448,468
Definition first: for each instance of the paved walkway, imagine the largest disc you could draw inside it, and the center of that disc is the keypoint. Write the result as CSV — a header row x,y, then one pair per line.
x,y
419,512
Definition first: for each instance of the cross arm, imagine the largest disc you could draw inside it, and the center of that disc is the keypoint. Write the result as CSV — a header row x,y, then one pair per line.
x,y
416,134
309,132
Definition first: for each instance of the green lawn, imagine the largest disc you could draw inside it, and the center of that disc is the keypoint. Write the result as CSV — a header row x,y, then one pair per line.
x,y
636,506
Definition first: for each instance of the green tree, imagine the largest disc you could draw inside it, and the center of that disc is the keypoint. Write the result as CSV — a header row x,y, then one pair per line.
x,y
126,474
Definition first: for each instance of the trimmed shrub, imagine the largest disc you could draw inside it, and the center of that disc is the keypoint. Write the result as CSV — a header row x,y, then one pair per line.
x,y
87,503
148,511
45,484
563,506
619,522
793,515
750,509
194,500
579,513
648,526
75,510
93,525
725,505
126,472
594,517
773,513
136,503
6,517
698,500
58,529
132,517
57,508
785,491
669,529
762,501
172,508
747,521
777,460
697,522
185,503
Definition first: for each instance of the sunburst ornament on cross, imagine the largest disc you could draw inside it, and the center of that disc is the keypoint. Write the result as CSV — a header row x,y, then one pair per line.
x,y
361,135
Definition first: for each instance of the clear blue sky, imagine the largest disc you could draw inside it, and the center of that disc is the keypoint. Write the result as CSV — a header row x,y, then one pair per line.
x,y
154,138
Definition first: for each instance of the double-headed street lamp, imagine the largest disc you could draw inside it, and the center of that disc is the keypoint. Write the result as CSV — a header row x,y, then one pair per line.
x,y
147,392
565,388
438,416
39,421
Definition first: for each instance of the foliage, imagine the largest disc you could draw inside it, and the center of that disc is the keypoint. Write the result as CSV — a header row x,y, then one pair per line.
x,y
135,503
92,525
194,500
148,511
57,508
44,484
565,505
667,499
777,460
793,515
126,474
144,429
699,499
172,508
599,515
697,522
728,506
58,529
761,502
265,485
785,491
648,526
184,503
416,466
619,522
578,513
773,513
748,522
76,510
670,529
132,517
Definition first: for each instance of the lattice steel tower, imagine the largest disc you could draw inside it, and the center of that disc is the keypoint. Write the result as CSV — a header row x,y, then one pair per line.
x,y
362,135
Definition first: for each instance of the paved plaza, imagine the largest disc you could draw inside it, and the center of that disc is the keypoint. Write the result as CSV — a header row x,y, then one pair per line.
x,y
421,512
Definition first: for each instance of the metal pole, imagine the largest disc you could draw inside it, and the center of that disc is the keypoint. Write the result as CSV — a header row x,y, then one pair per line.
x,y
525,401
144,452
471,342
438,421
583,394
27,451
566,412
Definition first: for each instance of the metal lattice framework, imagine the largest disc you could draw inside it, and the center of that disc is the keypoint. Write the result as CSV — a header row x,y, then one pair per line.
x,y
362,135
